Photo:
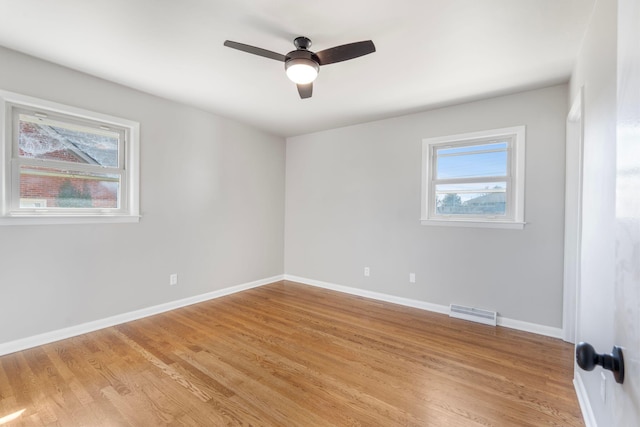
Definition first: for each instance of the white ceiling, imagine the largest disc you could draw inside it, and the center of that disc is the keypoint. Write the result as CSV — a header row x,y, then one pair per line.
x,y
429,52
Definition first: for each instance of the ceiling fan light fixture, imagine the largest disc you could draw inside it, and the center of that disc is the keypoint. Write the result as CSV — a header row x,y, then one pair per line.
x,y
301,70
302,65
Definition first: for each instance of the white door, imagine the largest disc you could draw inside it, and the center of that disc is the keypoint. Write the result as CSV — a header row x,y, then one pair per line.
x,y
626,402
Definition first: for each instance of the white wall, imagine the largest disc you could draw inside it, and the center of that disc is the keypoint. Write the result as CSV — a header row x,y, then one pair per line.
x,y
353,200
212,202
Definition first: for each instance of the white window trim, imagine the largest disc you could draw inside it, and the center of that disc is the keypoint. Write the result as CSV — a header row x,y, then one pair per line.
x,y
517,171
8,100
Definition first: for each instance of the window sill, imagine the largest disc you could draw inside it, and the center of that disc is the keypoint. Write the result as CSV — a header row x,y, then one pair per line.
x,y
512,225
67,219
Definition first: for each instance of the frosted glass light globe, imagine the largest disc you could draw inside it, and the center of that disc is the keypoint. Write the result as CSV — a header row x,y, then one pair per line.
x,y
301,70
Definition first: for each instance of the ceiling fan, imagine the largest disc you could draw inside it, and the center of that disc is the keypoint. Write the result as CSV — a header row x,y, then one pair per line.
x,y
302,65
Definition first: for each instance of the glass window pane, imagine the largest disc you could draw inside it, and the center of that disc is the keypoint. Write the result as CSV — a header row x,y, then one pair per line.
x,y
46,188
472,148
471,199
47,139
478,163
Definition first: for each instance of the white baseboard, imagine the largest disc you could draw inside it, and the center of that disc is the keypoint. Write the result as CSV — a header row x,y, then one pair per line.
x,y
437,308
60,334
442,309
583,399
534,328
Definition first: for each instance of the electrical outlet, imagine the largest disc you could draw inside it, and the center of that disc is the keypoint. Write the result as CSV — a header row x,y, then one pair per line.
x,y
412,277
367,272
603,387
173,279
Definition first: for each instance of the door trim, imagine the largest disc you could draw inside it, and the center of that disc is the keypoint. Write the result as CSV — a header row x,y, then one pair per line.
x,y
573,218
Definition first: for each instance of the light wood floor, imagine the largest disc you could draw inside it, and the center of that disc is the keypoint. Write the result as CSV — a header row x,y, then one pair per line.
x,y
286,354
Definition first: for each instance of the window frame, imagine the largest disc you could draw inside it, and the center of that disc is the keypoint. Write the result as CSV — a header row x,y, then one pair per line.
x,y
11,105
515,179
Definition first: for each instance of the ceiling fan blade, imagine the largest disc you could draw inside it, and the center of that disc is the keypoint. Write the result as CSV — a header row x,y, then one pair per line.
x,y
345,52
255,50
305,90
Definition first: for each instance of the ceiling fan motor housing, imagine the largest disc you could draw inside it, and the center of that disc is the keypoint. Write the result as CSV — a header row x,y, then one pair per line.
x,y
302,56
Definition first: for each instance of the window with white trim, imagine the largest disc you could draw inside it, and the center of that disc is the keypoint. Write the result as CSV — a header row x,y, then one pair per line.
x,y
474,179
63,164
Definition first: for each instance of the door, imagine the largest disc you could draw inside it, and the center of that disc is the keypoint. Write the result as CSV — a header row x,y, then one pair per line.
x,y
626,402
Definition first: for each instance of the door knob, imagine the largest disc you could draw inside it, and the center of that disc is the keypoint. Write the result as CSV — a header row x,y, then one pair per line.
x,y
587,359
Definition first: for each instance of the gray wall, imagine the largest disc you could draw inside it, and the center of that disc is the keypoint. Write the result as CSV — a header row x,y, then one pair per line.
x,y
212,203
353,200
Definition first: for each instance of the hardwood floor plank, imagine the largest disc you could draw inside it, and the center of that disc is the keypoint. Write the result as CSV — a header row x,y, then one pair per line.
x,y
287,354
164,368
219,410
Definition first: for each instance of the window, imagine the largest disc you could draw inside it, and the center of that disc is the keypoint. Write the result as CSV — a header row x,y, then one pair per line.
x,y
66,165
474,179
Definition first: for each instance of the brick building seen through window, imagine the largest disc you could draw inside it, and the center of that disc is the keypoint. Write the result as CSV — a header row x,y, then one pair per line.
x,y
42,187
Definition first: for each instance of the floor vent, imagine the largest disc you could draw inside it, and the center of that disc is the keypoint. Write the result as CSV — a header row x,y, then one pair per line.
x,y
474,314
